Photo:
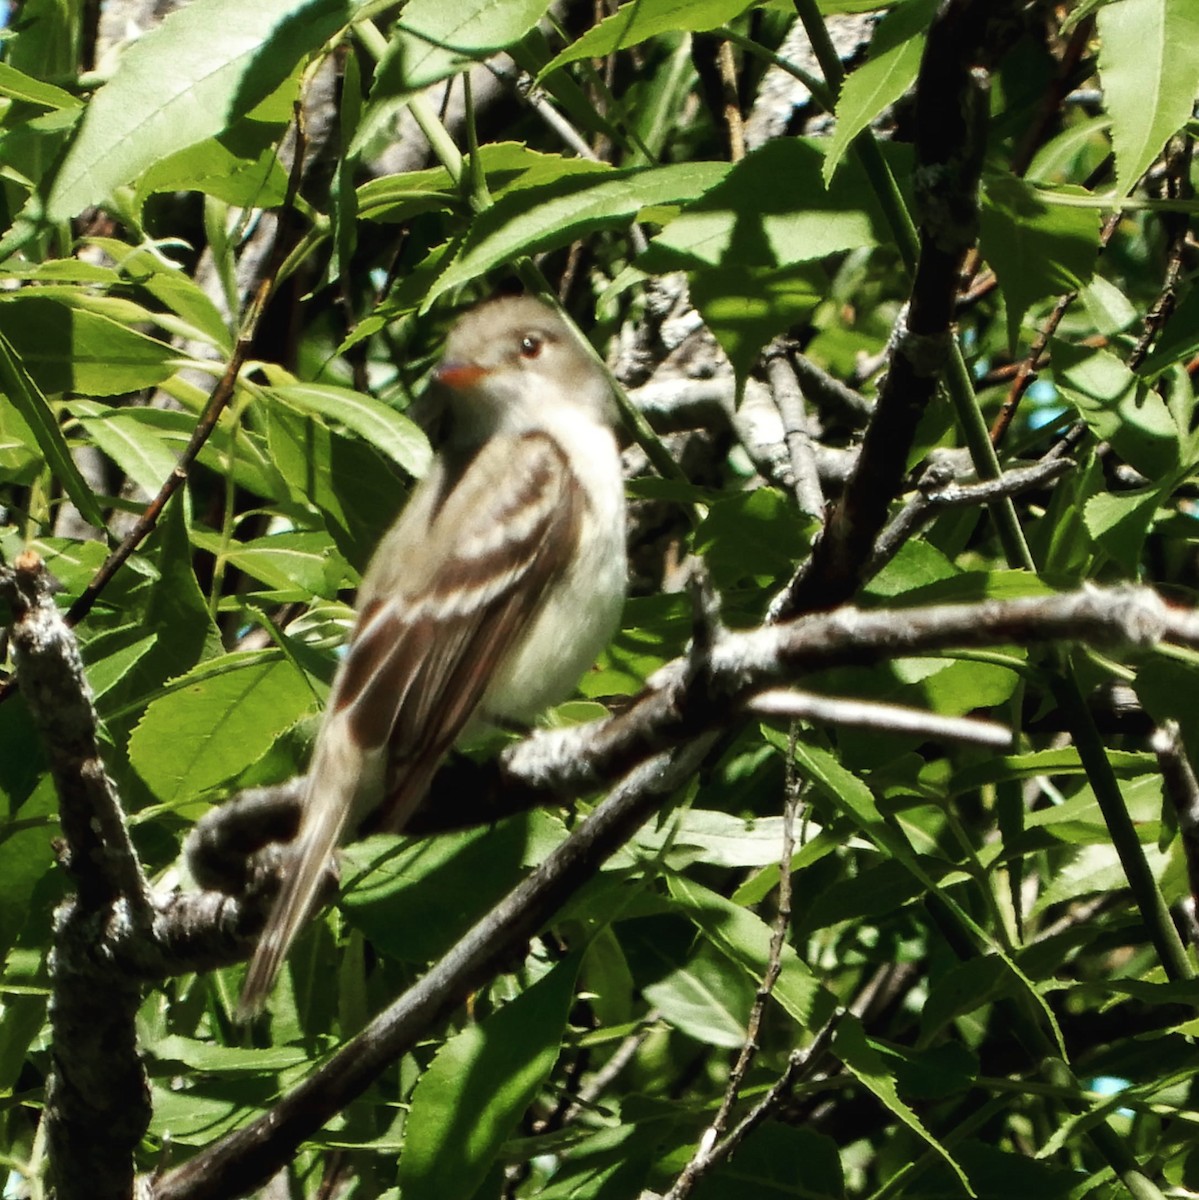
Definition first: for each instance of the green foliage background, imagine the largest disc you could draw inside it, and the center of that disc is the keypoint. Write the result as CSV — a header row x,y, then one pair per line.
x,y
960,917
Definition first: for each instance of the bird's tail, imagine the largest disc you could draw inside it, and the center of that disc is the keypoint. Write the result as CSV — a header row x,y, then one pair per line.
x,y
328,802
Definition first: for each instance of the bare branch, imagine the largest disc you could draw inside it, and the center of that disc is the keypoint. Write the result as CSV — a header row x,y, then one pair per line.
x,y
789,400
886,718
936,494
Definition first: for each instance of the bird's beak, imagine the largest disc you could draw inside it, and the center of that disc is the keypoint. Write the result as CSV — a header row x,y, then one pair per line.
x,y
458,376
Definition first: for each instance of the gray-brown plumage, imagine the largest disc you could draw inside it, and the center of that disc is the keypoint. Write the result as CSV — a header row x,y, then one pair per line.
x,y
491,594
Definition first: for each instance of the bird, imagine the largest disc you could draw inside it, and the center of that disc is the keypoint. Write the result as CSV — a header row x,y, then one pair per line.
x,y
496,588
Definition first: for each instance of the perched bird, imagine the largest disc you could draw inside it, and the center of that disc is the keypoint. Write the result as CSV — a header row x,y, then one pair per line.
x,y
489,597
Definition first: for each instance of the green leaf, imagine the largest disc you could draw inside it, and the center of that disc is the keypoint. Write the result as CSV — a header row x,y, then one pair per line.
x,y
208,64
772,211
744,938
1120,521
752,537
705,998
505,165
778,1162
408,897
1110,309
964,988
226,1060
1119,409
26,850
215,721
146,267
1036,249
297,565
347,480
433,39
395,434
852,1047
1150,76
240,167
745,307
1127,764
477,1088
135,447
888,72
639,20
716,838
19,86
542,217
67,348
27,398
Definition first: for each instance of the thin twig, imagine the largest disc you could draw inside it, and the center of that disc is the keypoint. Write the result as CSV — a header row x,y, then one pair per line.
x,y
1177,186
700,1160
935,496
730,100
788,398
1026,373
886,718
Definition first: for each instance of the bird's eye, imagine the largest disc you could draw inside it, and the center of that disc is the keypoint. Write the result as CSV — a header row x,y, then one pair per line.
x,y
530,345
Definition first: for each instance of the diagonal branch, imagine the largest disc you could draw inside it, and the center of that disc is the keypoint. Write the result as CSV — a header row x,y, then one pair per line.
x,y
245,1159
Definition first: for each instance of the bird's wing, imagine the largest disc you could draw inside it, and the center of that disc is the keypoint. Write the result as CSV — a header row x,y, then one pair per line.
x,y
477,560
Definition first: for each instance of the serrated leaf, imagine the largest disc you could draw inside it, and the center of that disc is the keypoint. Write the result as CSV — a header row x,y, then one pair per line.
x,y
410,901
542,217
205,66
963,988
852,1047
216,721
746,307
240,167
638,21
433,39
778,1162
26,397
504,165
888,72
475,1091
396,435
717,838
1126,764
752,537
146,268
1109,309
1150,75
226,1060
366,497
